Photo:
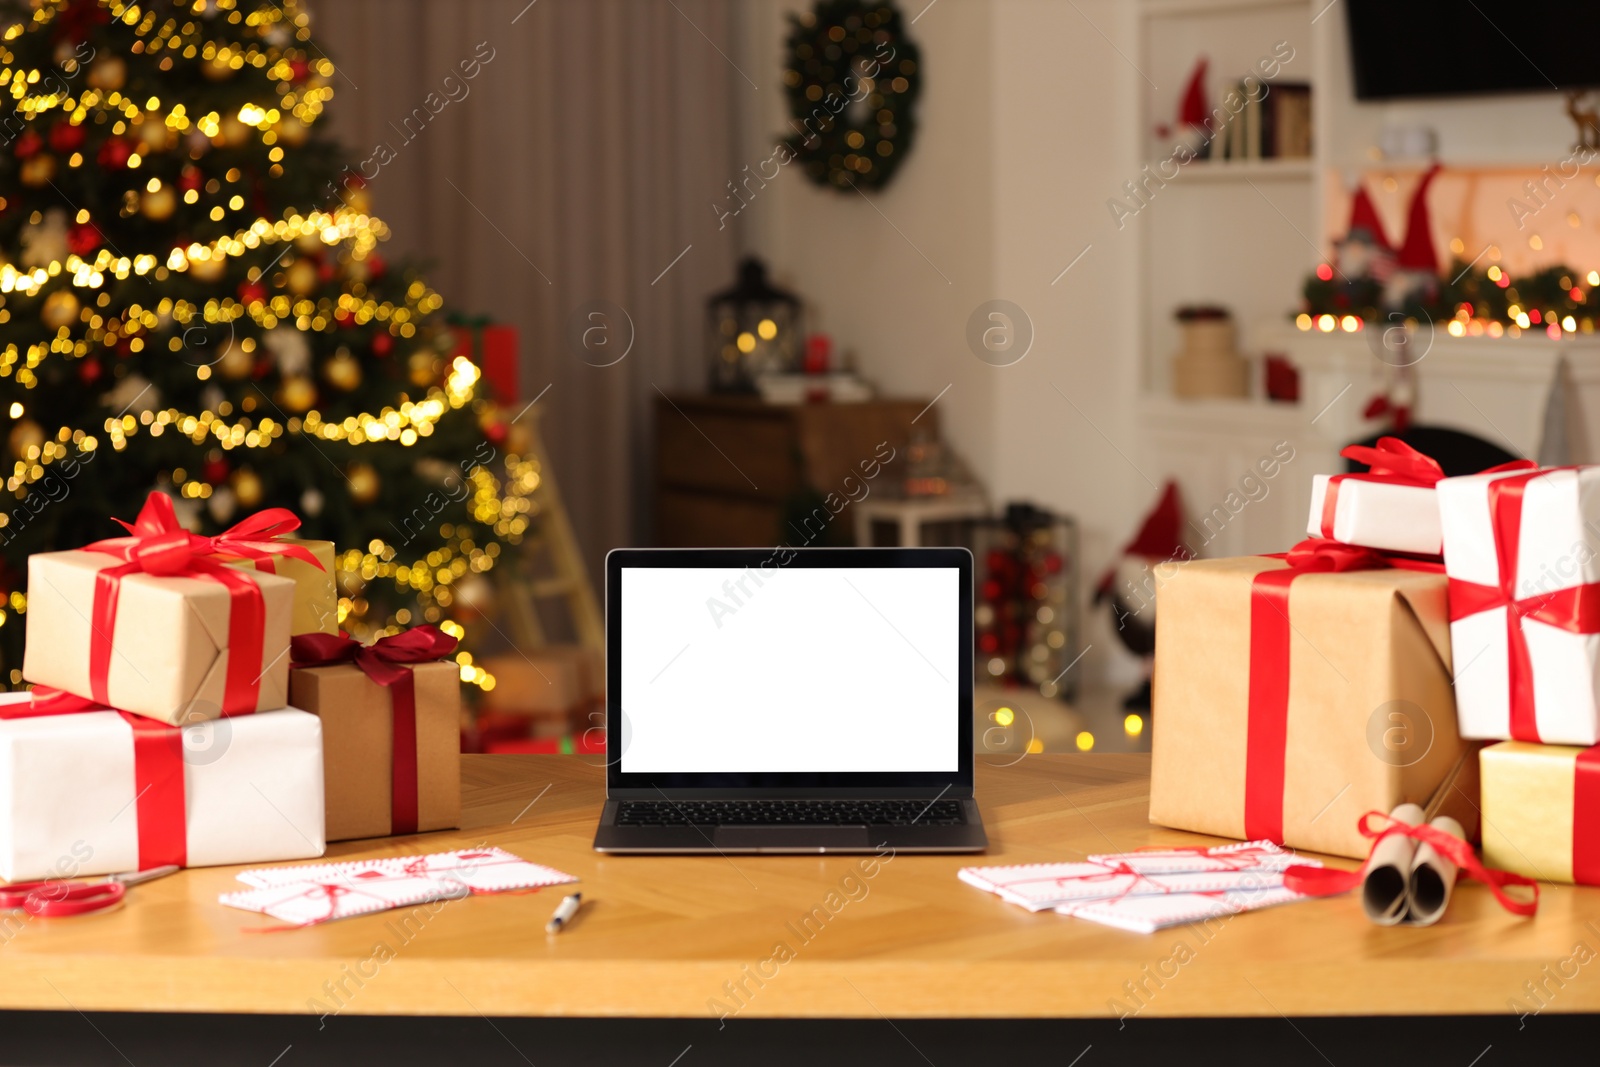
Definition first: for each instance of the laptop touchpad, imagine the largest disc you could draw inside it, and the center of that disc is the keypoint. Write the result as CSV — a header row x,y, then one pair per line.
x,y
795,837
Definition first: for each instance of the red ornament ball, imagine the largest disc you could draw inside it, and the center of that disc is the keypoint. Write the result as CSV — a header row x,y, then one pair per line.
x,y
251,293
29,144
496,432
66,137
376,266
83,238
216,470
382,344
114,153
299,70
344,318
89,371
191,179
325,271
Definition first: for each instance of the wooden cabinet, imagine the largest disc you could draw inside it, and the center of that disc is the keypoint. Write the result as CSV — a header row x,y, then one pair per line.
x,y
737,472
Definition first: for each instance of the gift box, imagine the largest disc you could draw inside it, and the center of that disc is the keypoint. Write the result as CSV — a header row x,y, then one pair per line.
x,y
180,647
493,348
1541,810
1292,695
1525,602
560,688
100,792
391,729
316,599
1390,507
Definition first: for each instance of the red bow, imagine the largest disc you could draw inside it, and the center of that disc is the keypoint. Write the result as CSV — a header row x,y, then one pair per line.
x,y
158,538
381,660
1326,882
1395,461
384,662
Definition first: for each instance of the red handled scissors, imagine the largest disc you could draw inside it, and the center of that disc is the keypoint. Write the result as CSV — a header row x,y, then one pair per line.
x,y
58,899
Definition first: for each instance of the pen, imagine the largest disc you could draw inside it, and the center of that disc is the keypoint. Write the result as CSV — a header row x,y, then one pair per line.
x,y
564,913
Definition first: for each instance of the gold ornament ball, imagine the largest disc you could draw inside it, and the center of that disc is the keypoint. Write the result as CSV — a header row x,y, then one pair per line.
x,y
423,368
108,74
158,206
235,362
60,309
293,132
233,131
343,371
309,243
474,597
297,394
37,170
155,135
357,199
209,269
301,277
364,482
247,487
25,435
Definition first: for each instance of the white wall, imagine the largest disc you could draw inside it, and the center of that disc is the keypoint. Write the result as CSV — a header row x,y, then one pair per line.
x,y
1026,129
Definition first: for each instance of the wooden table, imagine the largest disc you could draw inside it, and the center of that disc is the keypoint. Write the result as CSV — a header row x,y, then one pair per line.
x,y
675,936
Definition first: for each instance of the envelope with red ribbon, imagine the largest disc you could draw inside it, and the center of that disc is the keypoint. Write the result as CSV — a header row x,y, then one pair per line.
x,y
1390,506
1522,550
1294,693
1541,810
94,791
391,728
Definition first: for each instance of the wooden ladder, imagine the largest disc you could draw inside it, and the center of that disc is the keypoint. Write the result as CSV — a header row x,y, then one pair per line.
x,y
560,575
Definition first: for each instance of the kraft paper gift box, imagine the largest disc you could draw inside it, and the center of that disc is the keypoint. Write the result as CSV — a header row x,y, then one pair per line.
x,y
1541,810
359,748
168,651
316,598
1286,708
1524,567
1391,506
100,792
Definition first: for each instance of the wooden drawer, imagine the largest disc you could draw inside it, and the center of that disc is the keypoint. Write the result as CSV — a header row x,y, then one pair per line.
x,y
757,452
687,519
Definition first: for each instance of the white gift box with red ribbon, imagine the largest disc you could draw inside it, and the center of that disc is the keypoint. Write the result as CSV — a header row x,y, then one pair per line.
x,y
1522,551
1390,516
100,792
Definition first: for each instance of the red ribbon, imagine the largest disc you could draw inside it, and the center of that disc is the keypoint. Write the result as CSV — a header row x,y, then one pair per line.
x,y
1586,819
385,662
160,803
1267,729
1327,882
1575,609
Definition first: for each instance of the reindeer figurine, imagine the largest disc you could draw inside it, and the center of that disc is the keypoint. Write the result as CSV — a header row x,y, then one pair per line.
x,y
1586,118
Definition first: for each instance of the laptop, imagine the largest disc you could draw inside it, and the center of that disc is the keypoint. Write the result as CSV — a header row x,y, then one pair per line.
x,y
795,700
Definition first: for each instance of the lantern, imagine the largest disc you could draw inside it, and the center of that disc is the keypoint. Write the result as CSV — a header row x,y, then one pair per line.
x,y
753,329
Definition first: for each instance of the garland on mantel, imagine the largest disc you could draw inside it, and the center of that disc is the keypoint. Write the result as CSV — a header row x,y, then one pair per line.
x,y
1470,302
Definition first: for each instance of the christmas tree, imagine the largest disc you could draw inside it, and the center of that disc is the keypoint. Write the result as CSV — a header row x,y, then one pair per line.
x,y
192,300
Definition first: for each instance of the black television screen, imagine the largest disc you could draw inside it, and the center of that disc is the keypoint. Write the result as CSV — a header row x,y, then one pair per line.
x,y
1456,47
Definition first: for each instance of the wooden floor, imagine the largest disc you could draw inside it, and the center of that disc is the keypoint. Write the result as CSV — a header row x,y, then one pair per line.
x,y
791,936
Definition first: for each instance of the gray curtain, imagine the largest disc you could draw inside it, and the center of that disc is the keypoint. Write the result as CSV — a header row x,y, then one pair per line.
x,y
573,168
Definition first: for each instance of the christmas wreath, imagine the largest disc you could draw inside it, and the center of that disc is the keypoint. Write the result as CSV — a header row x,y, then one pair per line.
x,y
852,78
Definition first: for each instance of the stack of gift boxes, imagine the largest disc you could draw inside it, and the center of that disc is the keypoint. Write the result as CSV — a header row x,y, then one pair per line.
x,y
1367,666
159,729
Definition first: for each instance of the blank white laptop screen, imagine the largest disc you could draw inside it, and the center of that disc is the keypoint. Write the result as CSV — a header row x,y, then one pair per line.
x,y
812,669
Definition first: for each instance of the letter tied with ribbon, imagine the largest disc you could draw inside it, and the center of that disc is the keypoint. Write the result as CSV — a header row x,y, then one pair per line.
x,y
160,803
157,544
1270,634
1376,826
387,661
1574,609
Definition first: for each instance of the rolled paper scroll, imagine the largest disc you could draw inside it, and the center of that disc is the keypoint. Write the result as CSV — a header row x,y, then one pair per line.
x,y
1384,889
1432,877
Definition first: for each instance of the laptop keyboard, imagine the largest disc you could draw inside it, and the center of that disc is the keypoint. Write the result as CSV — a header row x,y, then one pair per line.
x,y
789,813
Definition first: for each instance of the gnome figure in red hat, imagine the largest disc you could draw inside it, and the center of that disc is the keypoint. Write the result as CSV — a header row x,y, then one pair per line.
x,y
1129,584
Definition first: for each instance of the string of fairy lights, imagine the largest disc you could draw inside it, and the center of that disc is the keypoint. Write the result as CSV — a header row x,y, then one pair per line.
x,y
301,82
